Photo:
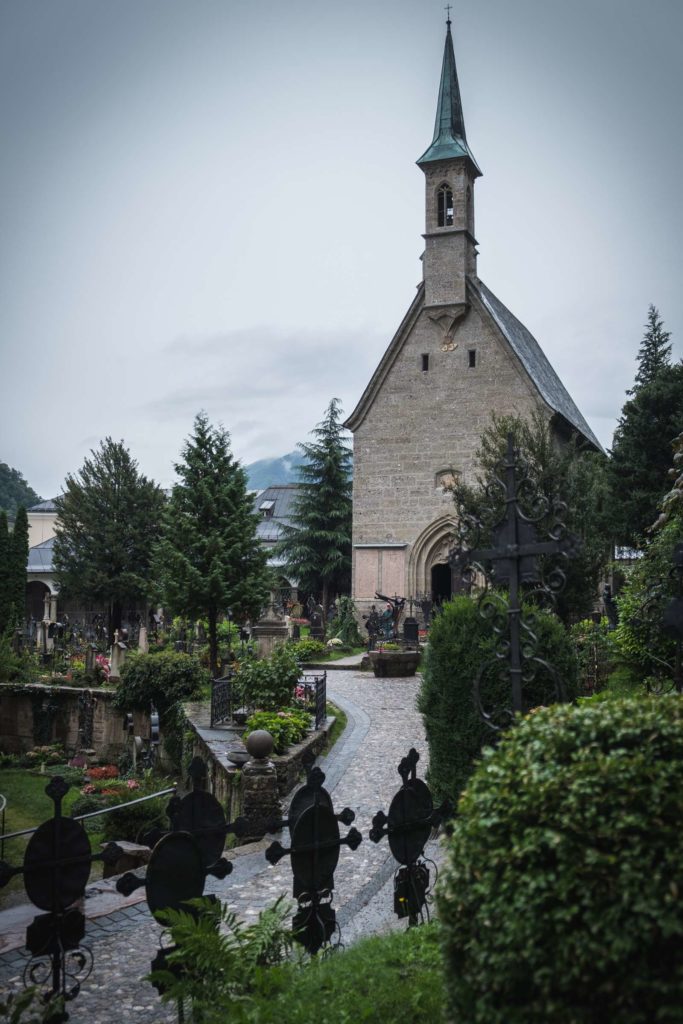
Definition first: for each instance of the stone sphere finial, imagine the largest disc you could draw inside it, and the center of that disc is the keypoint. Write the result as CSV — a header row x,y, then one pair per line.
x,y
259,744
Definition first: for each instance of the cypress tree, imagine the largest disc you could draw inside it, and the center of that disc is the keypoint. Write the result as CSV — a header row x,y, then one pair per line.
x,y
209,558
18,557
317,546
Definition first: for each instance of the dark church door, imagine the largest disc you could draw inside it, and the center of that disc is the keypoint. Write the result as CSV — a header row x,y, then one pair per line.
x,y
441,583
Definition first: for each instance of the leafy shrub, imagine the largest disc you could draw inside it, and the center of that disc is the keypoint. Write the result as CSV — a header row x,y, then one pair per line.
x,y
164,679
561,898
308,649
595,653
269,683
460,642
284,726
161,679
639,636
132,823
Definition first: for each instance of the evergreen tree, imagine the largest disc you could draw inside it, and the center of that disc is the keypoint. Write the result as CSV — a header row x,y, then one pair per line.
x,y
108,521
18,557
654,354
641,453
14,491
316,547
5,557
565,472
209,558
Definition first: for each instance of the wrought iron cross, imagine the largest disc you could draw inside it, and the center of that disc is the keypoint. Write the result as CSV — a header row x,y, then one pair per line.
x,y
56,869
314,853
514,558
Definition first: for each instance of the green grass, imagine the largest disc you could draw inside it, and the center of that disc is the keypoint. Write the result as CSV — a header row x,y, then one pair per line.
x,y
392,979
337,729
27,807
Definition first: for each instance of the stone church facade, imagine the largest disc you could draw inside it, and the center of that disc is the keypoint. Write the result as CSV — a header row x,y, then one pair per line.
x,y
458,356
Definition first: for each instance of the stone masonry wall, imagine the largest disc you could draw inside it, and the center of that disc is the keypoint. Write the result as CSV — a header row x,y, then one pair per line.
x,y
422,423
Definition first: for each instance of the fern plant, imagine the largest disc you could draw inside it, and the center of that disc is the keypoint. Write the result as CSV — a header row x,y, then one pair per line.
x,y
219,960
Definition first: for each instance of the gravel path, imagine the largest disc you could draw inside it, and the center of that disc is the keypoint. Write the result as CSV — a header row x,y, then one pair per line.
x,y
361,773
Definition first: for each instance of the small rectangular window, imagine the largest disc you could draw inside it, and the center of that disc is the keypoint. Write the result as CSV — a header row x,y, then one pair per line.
x,y
425,362
472,357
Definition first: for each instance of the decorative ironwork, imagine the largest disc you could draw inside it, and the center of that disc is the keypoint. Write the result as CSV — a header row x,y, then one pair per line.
x,y
183,857
512,561
312,688
408,825
56,869
224,700
314,853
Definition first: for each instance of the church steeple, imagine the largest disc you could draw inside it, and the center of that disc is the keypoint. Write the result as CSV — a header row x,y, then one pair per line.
x,y
450,172
449,129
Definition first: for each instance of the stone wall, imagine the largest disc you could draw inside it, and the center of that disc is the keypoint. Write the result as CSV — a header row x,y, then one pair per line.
x,y
36,715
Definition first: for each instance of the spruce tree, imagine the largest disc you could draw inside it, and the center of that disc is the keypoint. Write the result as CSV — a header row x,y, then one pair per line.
x,y
654,354
209,558
18,557
107,523
316,547
641,453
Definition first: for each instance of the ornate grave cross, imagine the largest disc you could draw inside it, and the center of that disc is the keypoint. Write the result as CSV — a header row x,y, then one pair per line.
x,y
314,853
56,869
408,825
185,856
513,560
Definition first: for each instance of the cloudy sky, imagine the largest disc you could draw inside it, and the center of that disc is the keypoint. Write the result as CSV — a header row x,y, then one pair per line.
x,y
214,204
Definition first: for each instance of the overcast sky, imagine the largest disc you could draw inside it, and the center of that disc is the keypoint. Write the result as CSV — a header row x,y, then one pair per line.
x,y
214,204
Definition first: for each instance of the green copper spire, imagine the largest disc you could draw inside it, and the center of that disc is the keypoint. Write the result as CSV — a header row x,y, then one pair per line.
x,y
449,130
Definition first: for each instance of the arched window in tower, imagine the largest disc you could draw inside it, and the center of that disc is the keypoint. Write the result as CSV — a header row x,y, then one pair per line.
x,y
470,212
444,206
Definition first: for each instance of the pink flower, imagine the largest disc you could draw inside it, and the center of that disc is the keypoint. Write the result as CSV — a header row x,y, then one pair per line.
x,y
132,784
88,789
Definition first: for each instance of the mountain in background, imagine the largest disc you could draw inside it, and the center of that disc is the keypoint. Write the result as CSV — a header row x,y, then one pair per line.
x,y
266,472
14,491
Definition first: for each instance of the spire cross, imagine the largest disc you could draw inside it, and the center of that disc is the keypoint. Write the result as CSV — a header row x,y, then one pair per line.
x,y
448,9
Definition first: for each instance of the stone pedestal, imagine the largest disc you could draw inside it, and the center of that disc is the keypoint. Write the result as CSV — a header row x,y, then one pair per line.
x,y
143,642
260,800
269,632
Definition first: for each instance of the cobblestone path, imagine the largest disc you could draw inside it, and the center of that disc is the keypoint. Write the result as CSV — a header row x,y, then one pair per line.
x,y
361,773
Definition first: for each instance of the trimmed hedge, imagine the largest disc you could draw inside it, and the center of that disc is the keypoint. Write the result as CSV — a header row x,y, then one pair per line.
x,y
561,900
460,641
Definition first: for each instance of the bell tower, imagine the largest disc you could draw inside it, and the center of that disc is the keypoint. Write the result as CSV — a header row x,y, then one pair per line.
x,y
450,171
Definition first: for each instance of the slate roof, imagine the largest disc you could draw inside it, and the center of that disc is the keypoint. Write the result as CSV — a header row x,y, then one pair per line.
x,y
283,496
535,362
40,557
44,506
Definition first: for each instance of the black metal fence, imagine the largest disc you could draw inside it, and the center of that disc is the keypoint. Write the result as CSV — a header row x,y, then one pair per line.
x,y
232,704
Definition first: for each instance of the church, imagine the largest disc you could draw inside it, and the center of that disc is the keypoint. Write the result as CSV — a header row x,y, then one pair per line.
x,y
458,356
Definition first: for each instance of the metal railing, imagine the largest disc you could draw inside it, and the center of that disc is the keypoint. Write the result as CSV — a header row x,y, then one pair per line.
x,y
82,817
227,698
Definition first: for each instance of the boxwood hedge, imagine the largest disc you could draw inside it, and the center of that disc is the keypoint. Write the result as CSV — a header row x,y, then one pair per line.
x,y
562,896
